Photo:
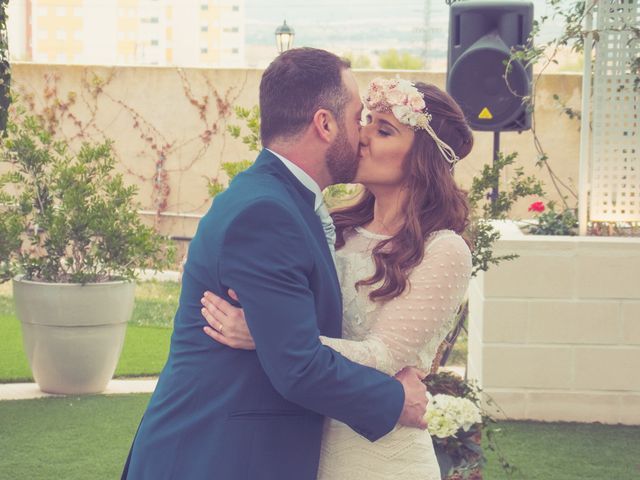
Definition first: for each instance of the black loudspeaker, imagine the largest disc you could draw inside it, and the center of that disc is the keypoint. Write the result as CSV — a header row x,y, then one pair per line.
x,y
481,35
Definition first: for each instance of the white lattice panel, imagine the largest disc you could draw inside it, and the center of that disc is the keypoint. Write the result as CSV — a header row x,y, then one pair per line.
x,y
615,158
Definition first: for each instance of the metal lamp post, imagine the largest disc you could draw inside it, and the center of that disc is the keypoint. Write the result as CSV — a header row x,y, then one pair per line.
x,y
284,37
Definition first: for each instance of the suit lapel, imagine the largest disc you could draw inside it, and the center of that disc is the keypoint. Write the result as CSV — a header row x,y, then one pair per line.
x,y
304,199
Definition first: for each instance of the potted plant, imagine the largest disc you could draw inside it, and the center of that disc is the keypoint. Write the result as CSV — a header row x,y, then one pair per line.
x,y
71,239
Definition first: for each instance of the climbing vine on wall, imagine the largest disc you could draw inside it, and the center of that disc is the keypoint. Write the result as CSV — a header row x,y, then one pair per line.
x,y
74,115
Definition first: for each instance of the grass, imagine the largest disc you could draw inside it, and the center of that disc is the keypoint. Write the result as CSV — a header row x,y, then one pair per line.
x,y
71,438
567,451
156,304
75,438
146,344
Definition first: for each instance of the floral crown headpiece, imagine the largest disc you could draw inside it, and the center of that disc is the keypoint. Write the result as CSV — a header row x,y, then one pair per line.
x,y
405,101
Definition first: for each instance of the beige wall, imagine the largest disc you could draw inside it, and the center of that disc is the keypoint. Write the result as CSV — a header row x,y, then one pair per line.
x,y
554,335
179,117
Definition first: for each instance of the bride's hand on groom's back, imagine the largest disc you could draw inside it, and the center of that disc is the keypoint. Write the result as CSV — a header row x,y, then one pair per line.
x,y
227,324
415,397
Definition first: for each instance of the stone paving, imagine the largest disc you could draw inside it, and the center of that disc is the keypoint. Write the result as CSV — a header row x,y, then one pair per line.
x,y
26,391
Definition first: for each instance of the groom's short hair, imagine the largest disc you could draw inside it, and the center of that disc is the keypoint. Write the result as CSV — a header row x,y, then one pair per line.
x,y
294,86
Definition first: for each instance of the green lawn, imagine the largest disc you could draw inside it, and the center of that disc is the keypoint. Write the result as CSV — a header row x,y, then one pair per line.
x,y
568,451
146,344
79,438
71,438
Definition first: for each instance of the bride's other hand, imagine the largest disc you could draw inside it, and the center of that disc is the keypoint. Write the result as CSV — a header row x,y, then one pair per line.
x,y
226,322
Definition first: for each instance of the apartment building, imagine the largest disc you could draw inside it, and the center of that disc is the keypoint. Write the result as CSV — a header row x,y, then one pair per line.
x,y
126,32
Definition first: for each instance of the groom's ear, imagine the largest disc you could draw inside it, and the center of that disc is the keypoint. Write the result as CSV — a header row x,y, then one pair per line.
x,y
325,125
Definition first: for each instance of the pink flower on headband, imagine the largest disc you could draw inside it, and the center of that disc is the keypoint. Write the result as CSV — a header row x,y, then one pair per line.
x,y
417,102
396,97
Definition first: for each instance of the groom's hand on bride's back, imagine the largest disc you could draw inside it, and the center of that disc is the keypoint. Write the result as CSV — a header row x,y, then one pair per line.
x,y
415,397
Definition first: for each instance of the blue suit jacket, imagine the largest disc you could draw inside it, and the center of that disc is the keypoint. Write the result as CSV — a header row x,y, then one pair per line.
x,y
220,413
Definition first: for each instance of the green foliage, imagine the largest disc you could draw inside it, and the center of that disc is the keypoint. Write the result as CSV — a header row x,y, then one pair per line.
x,y
568,111
214,187
485,208
234,168
11,228
78,221
520,186
231,169
251,121
337,195
551,222
394,60
5,67
484,237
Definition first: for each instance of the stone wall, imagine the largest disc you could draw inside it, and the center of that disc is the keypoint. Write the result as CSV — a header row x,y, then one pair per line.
x,y
555,334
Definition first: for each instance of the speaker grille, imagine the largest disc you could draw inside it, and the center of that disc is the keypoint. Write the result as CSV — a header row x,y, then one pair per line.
x,y
477,83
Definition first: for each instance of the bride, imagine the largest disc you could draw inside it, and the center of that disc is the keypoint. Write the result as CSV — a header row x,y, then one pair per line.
x,y
402,263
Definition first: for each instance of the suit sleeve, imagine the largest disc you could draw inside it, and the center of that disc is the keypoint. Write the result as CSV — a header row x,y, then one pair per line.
x,y
266,261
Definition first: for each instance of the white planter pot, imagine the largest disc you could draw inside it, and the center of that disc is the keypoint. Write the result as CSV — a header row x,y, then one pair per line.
x,y
554,335
73,334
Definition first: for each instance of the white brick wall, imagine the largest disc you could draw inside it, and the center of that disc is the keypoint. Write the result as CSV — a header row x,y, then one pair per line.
x,y
555,334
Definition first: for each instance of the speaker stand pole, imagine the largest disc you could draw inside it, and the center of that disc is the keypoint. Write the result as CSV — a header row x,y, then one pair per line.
x,y
496,153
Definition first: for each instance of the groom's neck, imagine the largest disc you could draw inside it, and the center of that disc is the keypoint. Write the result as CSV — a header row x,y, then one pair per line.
x,y
307,155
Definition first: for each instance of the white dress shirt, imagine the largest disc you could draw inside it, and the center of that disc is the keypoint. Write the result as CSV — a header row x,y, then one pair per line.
x,y
319,206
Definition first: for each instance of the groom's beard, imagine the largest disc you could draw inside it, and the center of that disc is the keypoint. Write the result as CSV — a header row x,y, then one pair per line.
x,y
342,159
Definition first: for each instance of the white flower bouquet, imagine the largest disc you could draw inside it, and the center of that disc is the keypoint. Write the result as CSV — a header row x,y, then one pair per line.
x,y
456,423
447,414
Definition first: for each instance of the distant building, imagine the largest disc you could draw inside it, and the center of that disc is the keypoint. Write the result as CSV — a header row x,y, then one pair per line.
x,y
140,32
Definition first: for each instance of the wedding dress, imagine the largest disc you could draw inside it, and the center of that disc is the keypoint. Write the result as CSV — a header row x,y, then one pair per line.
x,y
406,330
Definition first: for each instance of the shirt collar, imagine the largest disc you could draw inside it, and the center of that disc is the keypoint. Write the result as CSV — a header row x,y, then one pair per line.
x,y
304,178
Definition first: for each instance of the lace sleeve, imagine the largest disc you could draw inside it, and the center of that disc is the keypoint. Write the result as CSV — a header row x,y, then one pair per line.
x,y
419,317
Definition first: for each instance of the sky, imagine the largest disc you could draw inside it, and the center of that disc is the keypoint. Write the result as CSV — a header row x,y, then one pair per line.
x,y
357,26
378,14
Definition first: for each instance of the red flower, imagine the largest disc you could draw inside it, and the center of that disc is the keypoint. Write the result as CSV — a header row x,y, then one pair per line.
x,y
536,207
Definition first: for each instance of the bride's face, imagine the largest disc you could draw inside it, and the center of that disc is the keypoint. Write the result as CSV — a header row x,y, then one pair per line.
x,y
384,144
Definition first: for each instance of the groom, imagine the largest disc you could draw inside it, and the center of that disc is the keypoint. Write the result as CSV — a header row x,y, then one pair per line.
x,y
220,413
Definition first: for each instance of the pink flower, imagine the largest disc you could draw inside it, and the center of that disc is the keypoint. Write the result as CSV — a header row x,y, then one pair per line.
x,y
396,97
417,102
536,207
375,98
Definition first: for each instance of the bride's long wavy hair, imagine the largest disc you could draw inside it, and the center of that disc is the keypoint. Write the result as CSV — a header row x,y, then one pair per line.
x,y
434,201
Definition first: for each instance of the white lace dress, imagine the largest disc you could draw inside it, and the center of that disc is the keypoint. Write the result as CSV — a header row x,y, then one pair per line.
x,y
389,336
